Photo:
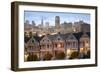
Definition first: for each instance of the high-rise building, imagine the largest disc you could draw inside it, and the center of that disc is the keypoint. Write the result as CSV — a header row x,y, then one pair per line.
x,y
47,24
66,27
81,26
42,22
27,22
33,23
57,22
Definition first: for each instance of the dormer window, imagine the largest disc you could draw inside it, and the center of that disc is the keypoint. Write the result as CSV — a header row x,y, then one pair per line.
x,y
32,41
58,38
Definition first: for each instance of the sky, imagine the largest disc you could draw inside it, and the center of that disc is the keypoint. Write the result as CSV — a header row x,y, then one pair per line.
x,y
37,16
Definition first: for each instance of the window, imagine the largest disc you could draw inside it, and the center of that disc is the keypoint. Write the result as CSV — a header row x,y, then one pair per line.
x,y
83,43
62,45
56,45
74,44
42,46
69,43
47,46
58,38
86,41
59,45
47,40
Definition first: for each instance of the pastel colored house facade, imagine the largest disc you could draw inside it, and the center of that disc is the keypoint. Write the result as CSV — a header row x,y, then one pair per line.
x,y
53,44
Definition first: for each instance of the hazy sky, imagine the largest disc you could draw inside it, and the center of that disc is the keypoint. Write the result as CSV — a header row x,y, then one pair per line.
x,y
50,17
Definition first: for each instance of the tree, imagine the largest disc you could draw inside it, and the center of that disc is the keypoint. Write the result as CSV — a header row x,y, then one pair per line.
x,y
60,55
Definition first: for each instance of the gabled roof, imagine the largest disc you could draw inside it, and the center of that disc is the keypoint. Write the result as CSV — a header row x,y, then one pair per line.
x,y
35,39
79,35
84,35
26,39
53,37
58,37
64,36
32,40
46,37
71,37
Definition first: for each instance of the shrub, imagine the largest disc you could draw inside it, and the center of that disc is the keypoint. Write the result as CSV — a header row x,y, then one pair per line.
x,y
88,54
60,55
32,58
84,56
74,55
47,56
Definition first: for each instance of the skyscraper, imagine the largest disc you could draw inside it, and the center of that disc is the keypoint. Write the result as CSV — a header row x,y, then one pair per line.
x,y
47,24
27,22
33,23
57,22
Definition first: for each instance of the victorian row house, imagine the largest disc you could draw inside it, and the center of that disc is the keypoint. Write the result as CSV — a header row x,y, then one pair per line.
x,y
54,44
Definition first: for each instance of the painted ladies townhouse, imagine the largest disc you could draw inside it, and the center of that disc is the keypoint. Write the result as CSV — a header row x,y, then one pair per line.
x,y
84,42
32,47
54,44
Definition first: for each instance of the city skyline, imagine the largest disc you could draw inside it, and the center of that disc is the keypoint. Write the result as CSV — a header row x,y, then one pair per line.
x,y
58,40
37,16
